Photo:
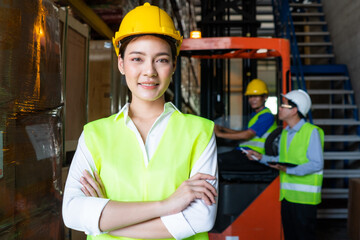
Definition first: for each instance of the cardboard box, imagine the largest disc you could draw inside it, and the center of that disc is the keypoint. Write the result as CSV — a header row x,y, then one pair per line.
x,y
7,179
9,233
30,188
41,225
354,209
7,196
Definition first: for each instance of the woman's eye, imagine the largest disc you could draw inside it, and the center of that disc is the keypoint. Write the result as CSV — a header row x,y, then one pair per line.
x,y
136,59
163,60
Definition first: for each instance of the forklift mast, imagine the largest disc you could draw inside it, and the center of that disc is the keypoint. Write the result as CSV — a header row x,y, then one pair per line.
x,y
216,21
247,209
248,205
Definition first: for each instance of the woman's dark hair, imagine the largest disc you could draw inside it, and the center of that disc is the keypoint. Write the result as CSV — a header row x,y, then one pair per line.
x,y
291,103
171,41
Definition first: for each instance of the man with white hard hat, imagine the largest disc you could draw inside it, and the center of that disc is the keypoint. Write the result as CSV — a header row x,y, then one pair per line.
x,y
300,163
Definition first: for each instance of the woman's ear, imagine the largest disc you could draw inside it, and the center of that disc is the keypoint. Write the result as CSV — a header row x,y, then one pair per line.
x,y
121,64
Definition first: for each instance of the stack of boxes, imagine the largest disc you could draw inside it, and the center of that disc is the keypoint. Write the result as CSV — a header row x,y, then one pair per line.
x,y
31,109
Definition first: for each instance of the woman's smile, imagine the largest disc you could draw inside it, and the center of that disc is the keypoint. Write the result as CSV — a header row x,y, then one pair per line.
x,y
149,85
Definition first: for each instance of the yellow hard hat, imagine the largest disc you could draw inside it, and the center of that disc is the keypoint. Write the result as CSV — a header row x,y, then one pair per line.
x,y
256,87
147,19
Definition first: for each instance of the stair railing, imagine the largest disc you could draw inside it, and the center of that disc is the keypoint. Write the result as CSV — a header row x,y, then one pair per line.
x,y
284,28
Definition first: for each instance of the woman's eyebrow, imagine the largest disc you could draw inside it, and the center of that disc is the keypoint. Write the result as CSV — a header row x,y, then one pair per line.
x,y
136,52
162,53
142,53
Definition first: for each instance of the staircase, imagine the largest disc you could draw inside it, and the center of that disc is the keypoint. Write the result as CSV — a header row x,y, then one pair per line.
x,y
329,85
264,14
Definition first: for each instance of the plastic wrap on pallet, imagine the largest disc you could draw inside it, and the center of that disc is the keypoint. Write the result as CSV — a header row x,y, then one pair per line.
x,y
30,53
30,120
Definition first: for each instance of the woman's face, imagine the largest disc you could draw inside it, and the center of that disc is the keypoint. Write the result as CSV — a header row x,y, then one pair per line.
x,y
148,66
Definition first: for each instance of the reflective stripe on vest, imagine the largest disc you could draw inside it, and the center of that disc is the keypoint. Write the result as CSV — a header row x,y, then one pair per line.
x,y
300,189
119,160
258,143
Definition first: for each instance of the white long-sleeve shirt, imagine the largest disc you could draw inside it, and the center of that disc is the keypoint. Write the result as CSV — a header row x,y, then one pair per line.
x,y
83,213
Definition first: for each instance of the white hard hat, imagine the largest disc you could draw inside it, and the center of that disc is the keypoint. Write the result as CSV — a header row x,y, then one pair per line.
x,y
301,99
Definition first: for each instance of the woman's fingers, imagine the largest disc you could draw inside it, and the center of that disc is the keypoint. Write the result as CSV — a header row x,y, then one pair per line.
x,y
203,183
101,184
204,194
199,179
86,192
194,188
93,187
201,189
87,188
202,176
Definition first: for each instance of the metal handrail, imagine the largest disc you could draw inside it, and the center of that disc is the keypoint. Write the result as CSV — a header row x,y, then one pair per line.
x,y
284,28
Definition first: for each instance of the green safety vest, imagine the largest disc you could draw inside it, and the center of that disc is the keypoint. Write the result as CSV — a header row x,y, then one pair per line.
x,y
119,159
258,143
300,189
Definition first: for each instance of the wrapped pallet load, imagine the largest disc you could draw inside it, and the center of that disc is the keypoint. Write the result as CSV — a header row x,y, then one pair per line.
x,y
30,121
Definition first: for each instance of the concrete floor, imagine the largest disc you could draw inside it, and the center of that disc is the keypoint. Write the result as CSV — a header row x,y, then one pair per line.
x,y
332,229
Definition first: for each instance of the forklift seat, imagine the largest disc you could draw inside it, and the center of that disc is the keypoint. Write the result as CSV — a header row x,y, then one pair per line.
x,y
238,189
256,172
272,142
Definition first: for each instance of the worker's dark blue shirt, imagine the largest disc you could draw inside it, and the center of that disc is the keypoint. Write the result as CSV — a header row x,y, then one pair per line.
x,y
264,122
260,127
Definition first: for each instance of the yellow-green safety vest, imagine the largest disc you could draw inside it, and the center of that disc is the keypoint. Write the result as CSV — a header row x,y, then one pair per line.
x,y
119,159
300,189
258,143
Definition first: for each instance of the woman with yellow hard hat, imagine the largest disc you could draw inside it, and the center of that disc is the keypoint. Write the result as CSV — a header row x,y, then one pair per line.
x,y
149,171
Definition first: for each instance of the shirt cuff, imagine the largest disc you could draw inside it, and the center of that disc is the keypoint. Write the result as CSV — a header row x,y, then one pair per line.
x,y
87,212
177,225
265,159
291,171
94,216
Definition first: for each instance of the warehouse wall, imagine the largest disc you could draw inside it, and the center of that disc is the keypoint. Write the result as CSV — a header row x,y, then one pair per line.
x,y
343,20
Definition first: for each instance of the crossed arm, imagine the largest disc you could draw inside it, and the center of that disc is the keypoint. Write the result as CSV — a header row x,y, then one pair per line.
x,y
143,218
91,212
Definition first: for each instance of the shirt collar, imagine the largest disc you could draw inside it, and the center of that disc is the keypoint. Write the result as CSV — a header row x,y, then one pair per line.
x,y
169,107
297,126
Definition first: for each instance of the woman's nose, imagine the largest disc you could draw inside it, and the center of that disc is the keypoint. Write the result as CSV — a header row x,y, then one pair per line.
x,y
150,70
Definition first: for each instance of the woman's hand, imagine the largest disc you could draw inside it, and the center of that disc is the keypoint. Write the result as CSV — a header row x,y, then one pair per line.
x,y
194,188
92,187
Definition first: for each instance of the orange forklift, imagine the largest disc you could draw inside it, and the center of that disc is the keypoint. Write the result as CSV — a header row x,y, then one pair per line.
x,y
248,204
